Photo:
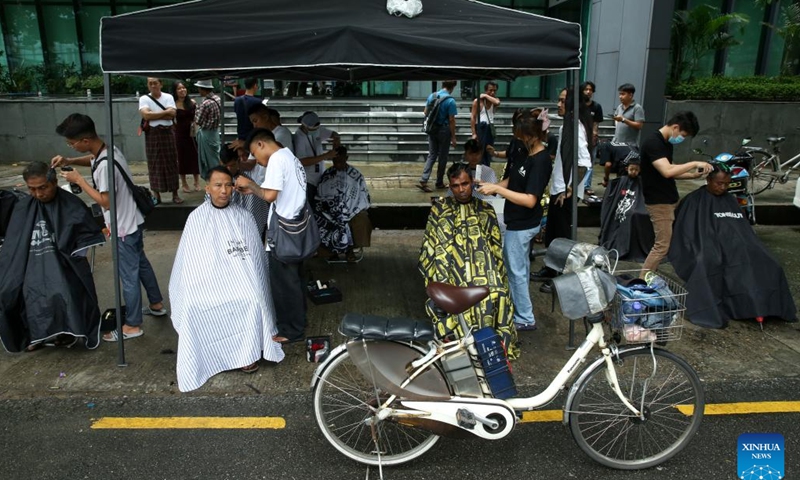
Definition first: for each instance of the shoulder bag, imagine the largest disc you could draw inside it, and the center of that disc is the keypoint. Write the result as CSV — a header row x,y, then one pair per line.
x,y
293,240
144,199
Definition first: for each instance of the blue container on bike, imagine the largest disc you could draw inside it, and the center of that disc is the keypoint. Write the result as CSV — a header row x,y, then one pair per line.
x,y
492,354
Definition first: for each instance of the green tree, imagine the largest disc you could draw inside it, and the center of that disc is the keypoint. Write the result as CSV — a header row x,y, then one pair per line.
x,y
698,32
790,32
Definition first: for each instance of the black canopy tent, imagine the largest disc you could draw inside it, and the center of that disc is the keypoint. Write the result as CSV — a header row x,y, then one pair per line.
x,y
345,40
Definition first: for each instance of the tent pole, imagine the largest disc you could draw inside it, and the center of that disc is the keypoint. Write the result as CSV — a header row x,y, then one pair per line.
x,y
576,125
221,126
112,193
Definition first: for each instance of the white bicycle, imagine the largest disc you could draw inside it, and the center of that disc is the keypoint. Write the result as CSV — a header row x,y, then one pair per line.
x,y
387,395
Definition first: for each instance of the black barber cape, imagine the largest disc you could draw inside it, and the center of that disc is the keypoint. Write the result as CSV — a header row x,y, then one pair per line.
x,y
45,290
729,274
8,200
624,222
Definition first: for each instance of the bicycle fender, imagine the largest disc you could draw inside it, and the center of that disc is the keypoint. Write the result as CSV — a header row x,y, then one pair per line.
x,y
599,361
322,366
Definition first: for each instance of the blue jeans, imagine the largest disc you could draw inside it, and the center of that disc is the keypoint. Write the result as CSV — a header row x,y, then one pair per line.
x,y
516,248
438,148
134,267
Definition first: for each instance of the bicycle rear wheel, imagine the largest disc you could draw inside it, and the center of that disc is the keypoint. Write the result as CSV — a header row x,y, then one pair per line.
x,y
657,382
345,403
761,177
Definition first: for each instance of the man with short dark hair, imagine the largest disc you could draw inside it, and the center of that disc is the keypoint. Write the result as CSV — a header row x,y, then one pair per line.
x,y
629,116
284,186
658,179
221,326
242,105
729,273
134,267
463,246
442,136
265,117
47,293
482,119
159,110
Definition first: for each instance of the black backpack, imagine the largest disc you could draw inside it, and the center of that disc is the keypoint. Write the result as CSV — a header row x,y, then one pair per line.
x,y
429,125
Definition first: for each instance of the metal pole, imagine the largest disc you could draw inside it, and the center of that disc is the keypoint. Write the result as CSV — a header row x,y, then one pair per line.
x,y
576,125
112,227
222,113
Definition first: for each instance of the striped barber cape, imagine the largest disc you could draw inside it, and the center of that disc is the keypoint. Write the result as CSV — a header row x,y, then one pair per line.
x,y
220,296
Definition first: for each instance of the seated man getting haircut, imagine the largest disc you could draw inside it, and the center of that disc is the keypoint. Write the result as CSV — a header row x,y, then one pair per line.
x,y
462,246
729,273
341,208
219,290
47,293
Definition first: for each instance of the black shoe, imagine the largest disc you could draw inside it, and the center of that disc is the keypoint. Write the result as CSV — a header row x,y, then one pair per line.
x,y
547,287
543,275
440,186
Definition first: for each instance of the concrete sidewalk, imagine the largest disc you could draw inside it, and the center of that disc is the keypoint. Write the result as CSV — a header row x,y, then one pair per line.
x,y
385,283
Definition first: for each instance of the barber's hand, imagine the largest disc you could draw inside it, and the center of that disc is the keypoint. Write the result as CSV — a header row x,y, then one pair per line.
x,y
72,177
633,171
488,188
58,161
706,169
245,185
236,145
330,154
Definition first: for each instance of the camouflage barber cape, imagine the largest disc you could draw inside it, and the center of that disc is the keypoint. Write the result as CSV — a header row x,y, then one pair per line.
x,y
463,246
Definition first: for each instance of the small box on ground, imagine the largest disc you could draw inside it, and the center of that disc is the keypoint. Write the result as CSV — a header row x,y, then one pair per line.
x,y
323,292
318,348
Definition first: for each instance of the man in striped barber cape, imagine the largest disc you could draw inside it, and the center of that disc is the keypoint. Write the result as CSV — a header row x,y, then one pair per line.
x,y
219,290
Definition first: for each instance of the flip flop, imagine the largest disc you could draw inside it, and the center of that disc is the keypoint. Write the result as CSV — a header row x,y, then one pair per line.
x,y
113,337
424,188
197,188
177,200
186,189
252,368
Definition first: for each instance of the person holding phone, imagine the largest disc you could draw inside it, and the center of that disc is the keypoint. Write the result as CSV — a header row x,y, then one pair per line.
x,y
658,180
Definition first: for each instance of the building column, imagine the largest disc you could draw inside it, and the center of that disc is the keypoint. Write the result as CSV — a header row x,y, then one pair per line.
x,y
629,43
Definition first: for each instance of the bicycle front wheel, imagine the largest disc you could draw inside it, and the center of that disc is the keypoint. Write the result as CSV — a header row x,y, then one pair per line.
x,y
345,405
762,175
662,385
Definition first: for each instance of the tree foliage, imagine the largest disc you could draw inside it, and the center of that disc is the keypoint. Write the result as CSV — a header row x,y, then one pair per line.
x,y
699,32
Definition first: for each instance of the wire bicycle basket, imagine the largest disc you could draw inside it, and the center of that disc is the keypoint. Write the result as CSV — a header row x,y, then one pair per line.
x,y
648,313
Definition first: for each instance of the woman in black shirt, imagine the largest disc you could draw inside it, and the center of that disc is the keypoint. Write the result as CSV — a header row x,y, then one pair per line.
x,y
527,179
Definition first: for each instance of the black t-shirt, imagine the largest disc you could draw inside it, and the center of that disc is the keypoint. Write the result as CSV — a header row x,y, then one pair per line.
x,y
619,156
657,189
515,151
597,111
529,175
241,105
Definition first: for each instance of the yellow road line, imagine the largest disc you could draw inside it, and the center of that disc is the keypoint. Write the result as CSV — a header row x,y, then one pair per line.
x,y
740,408
189,422
153,423
744,408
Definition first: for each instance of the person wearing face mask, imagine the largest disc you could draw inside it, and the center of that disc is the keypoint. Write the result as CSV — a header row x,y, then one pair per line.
x,y
308,140
658,180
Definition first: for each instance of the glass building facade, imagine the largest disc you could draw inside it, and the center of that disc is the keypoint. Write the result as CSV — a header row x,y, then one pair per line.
x,y
56,32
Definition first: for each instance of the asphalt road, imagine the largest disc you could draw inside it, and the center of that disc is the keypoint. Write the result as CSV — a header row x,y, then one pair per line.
x,y
52,438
